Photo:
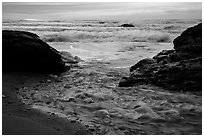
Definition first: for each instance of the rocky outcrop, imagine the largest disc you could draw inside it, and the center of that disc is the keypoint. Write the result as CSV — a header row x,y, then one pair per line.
x,y
126,25
177,70
25,51
68,58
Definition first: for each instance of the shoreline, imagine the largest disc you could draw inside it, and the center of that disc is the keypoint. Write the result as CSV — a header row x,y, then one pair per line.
x,y
20,119
101,108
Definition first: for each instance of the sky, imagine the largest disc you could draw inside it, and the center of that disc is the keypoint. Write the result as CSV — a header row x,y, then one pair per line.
x,y
101,11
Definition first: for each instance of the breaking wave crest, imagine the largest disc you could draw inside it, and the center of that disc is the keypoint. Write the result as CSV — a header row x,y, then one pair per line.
x,y
57,38
124,35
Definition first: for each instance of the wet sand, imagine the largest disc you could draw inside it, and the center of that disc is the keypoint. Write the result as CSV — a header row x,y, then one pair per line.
x,y
87,100
19,119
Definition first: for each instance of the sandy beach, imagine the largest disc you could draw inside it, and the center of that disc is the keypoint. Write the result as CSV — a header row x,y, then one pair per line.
x,y
18,117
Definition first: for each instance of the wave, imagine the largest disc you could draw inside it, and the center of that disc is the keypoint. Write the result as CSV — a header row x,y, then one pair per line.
x,y
159,38
57,38
76,36
145,36
163,38
108,36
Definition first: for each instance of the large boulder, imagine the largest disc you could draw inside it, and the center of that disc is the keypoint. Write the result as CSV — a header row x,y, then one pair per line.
x,y
126,25
176,70
25,51
190,42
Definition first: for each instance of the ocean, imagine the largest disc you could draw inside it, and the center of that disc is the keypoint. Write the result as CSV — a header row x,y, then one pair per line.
x,y
106,40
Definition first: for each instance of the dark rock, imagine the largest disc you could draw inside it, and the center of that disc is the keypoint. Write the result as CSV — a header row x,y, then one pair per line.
x,y
185,75
189,43
68,58
129,81
142,64
164,55
25,51
127,25
101,22
78,59
176,70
